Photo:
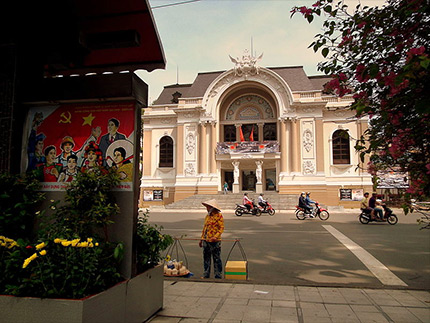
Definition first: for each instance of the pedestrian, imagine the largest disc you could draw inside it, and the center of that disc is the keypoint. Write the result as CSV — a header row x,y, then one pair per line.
x,y
210,239
225,188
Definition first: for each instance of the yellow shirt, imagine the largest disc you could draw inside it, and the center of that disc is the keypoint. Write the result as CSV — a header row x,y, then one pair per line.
x,y
364,203
213,227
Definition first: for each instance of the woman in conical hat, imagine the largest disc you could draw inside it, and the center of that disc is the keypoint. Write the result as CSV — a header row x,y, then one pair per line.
x,y
211,239
212,203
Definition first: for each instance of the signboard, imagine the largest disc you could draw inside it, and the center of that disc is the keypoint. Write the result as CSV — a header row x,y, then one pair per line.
x,y
347,194
392,179
158,195
153,195
148,196
61,141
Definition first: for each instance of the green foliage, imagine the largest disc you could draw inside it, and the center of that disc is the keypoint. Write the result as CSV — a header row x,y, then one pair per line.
x,y
89,206
65,269
19,194
61,265
381,54
149,242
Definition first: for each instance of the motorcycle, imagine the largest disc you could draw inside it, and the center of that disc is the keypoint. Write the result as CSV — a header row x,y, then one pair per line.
x,y
389,216
268,209
322,213
242,209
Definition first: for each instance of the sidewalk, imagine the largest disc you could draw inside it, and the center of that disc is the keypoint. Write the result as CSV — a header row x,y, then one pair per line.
x,y
219,302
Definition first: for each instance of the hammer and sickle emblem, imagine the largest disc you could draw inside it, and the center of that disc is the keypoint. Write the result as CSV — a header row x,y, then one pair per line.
x,y
66,118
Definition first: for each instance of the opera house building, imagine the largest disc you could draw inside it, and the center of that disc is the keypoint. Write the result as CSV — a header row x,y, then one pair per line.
x,y
257,129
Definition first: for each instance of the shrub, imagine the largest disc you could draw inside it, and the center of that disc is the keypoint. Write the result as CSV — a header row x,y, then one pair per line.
x,y
19,194
150,242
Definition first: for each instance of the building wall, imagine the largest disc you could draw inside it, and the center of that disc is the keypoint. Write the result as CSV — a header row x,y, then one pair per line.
x,y
305,121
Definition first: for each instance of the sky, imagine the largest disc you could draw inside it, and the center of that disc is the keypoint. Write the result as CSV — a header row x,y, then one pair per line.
x,y
199,37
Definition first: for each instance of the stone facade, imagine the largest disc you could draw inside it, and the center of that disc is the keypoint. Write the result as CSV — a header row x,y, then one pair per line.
x,y
258,129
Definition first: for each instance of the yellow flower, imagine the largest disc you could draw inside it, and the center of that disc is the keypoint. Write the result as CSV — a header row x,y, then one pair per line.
x,y
66,243
58,240
75,242
83,244
40,246
97,244
90,239
29,259
43,252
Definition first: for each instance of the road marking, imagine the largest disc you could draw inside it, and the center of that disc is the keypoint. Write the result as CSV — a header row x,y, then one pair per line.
x,y
374,265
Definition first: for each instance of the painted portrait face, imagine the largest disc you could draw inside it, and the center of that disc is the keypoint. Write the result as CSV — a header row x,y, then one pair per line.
x,y
50,158
39,146
71,164
112,128
67,147
92,156
117,157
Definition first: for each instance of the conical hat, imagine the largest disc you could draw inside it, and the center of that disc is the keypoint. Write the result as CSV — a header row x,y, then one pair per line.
x,y
212,203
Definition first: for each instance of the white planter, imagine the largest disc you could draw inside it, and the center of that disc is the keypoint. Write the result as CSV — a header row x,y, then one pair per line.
x,y
134,300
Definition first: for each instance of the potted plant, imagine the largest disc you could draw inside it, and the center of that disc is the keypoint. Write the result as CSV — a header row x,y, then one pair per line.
x,y
68,270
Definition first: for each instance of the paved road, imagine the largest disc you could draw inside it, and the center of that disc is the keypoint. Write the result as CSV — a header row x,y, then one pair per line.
x,y
337,252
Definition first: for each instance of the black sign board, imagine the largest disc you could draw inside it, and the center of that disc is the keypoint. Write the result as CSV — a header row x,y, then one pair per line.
x,y
345,194
158,195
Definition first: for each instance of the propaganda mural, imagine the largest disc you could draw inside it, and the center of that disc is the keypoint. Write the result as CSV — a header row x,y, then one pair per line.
x,y
61,141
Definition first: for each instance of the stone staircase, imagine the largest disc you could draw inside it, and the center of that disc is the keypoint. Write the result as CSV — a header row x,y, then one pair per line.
x,y
229,201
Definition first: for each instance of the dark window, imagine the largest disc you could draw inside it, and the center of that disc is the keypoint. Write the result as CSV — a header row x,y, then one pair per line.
x,y
250,132
341,147
269,131
230,133
166,152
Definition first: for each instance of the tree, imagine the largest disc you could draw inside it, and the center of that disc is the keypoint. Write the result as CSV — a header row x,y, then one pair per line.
x,y
381,55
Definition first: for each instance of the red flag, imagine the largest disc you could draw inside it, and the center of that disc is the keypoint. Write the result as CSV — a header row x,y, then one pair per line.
x,y
251,136
242,138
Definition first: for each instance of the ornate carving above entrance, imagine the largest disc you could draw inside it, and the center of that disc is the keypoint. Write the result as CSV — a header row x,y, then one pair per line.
x,y
249,107
246,65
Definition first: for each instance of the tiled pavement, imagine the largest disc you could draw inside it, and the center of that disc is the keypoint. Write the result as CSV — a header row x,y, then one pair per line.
x,y
219,302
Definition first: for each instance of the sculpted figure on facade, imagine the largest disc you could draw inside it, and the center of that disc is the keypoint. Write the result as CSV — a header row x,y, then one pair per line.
x,y
190,143
236,172
247,65
259,171
308,140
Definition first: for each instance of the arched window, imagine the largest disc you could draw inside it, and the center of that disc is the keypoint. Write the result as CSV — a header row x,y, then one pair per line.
x,y
340,142
166,152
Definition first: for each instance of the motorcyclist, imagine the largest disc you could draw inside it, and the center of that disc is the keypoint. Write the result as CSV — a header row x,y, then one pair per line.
x,y
302,203
247,202
365,205
262,202
309,202
379,210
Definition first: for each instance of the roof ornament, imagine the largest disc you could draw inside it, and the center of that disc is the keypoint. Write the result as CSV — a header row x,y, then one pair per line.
x,y
247,65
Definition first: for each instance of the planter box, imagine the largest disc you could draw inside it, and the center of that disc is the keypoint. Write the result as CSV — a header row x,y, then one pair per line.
x,y
134,300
